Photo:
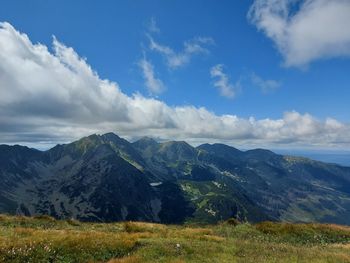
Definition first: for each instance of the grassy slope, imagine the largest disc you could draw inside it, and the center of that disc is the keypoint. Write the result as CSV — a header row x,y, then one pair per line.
x,y
44,239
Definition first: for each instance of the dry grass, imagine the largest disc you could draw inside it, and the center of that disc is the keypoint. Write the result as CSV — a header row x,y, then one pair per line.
x,y
306,233
44,239
52,245
134,227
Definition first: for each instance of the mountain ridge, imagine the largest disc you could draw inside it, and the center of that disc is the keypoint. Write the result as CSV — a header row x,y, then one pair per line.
x,y
106,178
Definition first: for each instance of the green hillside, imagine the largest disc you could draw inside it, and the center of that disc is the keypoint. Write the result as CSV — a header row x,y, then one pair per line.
x,y
44,239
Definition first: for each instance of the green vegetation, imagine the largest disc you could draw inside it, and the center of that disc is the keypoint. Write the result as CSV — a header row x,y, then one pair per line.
x,y
44,239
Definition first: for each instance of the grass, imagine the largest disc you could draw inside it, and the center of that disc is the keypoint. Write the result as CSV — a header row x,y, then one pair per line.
x,y
44,239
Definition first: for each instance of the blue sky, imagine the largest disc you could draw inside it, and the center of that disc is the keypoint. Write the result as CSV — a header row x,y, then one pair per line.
x,y
265,71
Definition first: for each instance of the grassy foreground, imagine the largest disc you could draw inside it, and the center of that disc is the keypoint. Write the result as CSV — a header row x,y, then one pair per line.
x,y
43,239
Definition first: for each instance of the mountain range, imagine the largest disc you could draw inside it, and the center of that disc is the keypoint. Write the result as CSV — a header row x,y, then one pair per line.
x,y
106,178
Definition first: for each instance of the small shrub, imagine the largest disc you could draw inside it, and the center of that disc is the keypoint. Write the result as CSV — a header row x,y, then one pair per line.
x,y
45,217
232,221
132,227
73,222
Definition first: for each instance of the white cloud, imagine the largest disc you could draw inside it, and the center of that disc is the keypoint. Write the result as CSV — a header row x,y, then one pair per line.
x,y
49,98
152,26
153,84
222,82
177,59
305,30
266,85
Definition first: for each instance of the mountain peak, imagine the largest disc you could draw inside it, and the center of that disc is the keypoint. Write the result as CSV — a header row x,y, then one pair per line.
x,y
176,143
146,140
88,141
146,143
221,150
177,150
110,135
178,146
259,153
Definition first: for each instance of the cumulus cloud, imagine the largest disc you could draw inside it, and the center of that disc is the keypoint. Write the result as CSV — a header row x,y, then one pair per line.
x,y
153,84
175,59
222,82
304,30
265,85
54,97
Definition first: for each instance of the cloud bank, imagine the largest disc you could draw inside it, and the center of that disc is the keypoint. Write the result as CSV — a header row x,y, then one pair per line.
x,y
54,97
304,30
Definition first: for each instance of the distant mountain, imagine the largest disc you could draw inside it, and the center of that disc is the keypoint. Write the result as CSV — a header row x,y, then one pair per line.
x,y
106,178
336,157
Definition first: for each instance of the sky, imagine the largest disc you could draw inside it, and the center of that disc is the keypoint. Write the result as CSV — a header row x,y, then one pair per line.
x,y
260,73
